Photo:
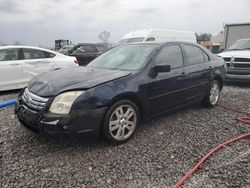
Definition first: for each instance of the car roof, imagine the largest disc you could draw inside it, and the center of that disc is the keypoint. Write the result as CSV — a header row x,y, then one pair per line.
x,y
159,43
244,39
31,47
86,44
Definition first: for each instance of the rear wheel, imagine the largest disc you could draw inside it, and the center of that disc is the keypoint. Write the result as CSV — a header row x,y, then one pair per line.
x,y
121,121
213,94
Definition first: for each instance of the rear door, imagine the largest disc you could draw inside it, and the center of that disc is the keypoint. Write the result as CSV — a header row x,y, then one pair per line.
x,y
198,72
166,90
35,62
10,69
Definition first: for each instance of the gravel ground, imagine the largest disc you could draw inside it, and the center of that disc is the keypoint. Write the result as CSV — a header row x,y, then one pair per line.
x,y
161,151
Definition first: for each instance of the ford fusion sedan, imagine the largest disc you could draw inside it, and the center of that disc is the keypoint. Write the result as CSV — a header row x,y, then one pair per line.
x,y
18,64
119,89
237,59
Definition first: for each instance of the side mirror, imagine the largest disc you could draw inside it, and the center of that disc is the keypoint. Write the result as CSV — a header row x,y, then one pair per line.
x,y
162,68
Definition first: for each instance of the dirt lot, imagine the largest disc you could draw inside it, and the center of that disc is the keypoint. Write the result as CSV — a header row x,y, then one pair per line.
x,y
158,155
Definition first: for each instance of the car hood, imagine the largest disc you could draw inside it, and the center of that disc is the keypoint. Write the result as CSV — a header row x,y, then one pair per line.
x,y
238,53
54,82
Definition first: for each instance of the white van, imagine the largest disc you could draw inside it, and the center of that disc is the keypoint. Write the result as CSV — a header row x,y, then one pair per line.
x,y
158,35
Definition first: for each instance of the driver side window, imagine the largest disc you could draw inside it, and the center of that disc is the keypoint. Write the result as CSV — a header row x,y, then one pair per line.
x,y
170,55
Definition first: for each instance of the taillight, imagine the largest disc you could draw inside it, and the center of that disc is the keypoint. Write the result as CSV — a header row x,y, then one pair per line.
x,y
76,62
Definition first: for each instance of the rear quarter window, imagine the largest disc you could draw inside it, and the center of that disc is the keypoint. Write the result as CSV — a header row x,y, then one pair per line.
x,y
36,54
49,55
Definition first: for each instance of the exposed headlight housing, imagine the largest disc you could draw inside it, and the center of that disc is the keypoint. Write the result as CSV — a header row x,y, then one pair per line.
x,y
63,102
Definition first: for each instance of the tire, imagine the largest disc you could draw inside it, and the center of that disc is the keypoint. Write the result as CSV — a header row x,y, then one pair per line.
x,y
213,94
120,122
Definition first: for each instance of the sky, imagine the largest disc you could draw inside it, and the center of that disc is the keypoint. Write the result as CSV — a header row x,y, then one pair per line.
x,y
41,22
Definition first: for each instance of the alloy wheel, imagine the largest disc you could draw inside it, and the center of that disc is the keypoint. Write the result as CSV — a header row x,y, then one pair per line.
x,y
214,93
122,122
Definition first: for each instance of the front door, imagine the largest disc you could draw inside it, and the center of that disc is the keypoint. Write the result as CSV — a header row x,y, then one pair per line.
x,y
166,90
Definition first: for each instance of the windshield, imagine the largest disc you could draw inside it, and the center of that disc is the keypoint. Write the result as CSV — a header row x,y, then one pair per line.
x,y
130,57
131,40
240,45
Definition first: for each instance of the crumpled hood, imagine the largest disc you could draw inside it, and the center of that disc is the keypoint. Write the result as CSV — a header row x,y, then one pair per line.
x,y
54,82
236,53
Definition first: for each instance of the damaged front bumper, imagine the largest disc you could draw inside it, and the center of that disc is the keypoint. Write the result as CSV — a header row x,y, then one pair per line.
x,y
87,121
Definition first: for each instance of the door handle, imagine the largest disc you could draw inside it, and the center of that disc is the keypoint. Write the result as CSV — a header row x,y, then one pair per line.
x,y
38,62
15,64
183,74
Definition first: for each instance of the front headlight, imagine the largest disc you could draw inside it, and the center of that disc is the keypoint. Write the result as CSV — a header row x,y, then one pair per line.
x,y
63,102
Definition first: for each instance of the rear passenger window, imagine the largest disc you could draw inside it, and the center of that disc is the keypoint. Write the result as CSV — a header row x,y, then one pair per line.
x,y
36,54
170,55
193,54
9,54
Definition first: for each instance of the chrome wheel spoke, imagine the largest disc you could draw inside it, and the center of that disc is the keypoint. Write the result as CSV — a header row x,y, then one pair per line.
x,y
123,132
115,127
118,134
120,111
115,122
117,115
129,115
128,112
131,123
128,127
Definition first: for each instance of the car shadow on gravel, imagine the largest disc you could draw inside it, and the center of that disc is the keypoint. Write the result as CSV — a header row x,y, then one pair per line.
x,y
238,84
67,141
178,111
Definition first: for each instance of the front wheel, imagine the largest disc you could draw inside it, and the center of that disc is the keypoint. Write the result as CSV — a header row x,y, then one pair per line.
x,y
120,121
213,94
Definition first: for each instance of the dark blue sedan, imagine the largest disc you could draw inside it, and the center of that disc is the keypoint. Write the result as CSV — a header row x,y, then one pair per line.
x,y
116,91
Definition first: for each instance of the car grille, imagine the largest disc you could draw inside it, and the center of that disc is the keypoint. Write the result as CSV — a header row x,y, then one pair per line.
x,y
237,59
238,65
33,101
238,62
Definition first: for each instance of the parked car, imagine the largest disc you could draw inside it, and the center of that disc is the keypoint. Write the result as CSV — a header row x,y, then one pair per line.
x,y
65,49
158,35
126,85
84,53
102,47
18,64
237,59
